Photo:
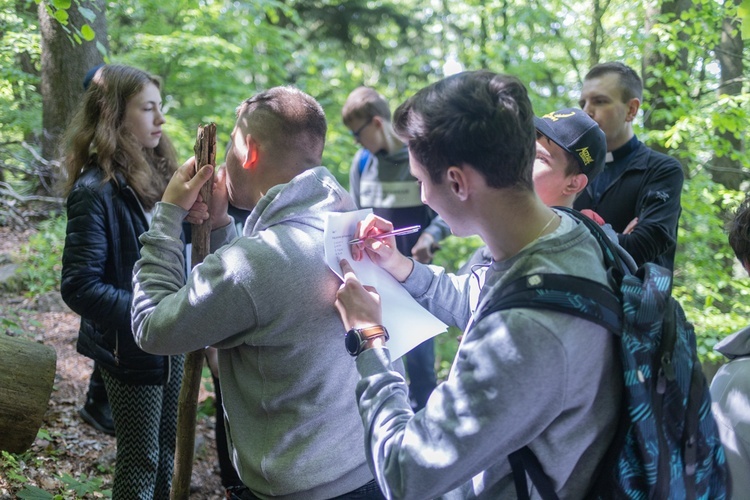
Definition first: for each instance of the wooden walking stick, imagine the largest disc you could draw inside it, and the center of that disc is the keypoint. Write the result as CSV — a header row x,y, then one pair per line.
x,y
187,406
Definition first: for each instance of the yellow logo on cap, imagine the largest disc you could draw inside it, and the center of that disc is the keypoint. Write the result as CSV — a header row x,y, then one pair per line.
x,y
556,116
585,155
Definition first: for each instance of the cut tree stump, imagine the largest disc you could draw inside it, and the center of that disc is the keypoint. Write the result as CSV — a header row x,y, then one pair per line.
x,y
27,372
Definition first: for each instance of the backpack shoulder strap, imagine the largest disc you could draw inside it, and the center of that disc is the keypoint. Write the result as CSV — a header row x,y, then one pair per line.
x,y
574,295
524,462
364,157
612,259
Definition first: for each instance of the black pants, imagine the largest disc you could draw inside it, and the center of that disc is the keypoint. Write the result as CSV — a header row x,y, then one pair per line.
x,y
229,476
97,389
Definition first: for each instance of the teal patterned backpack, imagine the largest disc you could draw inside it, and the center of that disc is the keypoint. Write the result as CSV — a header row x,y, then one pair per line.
x,y
667,444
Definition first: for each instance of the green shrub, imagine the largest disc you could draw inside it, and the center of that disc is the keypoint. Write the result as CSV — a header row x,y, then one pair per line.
x,y
42,258
707,281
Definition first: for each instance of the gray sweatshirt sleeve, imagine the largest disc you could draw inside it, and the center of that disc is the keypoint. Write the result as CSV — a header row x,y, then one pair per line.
x,y
445,295
169,318
503,390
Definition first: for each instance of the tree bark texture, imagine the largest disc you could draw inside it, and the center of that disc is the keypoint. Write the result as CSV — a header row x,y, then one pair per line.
x,y
654,58
27,371
64,65
724,169
187,406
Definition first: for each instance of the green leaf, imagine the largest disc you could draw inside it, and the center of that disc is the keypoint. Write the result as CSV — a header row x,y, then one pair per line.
x,y
61,4
89,14
743,11
87,32
34,493
61,16
102,50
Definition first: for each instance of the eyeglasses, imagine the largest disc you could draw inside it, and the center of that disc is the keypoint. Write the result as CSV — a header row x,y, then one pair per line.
x,y
355,133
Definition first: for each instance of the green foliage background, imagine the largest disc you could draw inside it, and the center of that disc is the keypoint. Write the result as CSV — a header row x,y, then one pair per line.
x,y
211,54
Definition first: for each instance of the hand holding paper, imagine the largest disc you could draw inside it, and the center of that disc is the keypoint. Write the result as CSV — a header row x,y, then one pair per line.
x,y
358,305
408,323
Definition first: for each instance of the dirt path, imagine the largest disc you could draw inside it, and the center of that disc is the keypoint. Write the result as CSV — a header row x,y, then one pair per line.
x,y
71,451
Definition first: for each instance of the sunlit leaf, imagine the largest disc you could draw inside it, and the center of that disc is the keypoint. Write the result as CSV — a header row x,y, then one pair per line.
x,y
87,32
744,14
61,16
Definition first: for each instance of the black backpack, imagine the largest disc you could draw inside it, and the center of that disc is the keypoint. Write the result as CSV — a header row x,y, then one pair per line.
x,y
667,444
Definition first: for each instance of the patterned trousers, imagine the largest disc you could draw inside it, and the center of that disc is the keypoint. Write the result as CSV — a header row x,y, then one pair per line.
x,y
145,419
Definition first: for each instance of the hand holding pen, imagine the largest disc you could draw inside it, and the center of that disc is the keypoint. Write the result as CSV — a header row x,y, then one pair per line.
x,y
395,232
375,236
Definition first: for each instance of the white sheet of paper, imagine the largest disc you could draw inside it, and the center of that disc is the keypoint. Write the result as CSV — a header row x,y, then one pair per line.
x,y
408,323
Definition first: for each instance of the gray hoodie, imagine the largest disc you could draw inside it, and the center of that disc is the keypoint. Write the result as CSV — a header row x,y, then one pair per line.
x,y
521,377
730,392
266,300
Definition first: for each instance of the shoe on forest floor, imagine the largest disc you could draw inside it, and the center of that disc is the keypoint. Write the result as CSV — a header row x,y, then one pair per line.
x,y
98,415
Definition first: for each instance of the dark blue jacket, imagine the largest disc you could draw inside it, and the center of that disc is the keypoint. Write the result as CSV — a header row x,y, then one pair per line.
x,y
649,188
101,247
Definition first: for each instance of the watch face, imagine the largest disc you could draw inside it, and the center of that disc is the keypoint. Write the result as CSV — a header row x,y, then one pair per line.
x,y
352,342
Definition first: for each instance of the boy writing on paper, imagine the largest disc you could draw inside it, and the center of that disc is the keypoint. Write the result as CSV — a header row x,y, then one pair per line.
x,y
521,377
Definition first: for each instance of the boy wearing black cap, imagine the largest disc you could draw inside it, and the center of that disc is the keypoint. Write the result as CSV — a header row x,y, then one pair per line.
x,y
570,152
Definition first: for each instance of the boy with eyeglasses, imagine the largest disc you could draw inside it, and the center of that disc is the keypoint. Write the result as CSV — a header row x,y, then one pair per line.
x,y
379,178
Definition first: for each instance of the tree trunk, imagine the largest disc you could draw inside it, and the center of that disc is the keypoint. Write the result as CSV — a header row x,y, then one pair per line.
x,y
596,30
27,371
657,60
64,65
724,169
187,406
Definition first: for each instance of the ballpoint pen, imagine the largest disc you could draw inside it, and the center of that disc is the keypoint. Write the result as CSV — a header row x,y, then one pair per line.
x,y
395,232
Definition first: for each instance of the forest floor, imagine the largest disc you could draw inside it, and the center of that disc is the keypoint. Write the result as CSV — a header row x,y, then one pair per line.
x,y
69,457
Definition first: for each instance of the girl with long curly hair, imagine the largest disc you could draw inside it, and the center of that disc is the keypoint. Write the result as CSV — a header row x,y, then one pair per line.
x,y
117,163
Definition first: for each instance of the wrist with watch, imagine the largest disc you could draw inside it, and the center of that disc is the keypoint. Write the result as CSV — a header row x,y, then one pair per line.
x,y
357,338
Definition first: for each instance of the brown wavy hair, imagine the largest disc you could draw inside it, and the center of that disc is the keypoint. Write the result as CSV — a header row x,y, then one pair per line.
x,y
97,138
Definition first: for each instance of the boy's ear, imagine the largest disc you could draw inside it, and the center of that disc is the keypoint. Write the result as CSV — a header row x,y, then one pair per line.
x,y
458,181
377,121
575,184
251,154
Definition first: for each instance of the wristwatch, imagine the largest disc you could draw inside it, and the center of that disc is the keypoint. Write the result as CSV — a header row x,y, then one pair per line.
x,y
356,338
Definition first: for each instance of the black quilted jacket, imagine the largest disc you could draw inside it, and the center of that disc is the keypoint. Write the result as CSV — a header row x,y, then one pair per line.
x,y
101,247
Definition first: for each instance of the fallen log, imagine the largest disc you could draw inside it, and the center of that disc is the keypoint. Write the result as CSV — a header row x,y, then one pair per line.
x,y
27,372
